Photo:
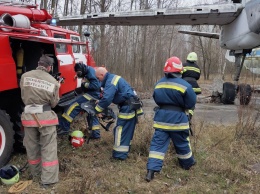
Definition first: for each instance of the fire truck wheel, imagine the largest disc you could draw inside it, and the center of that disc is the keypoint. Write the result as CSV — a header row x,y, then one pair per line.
x,y
6,138
229,93
17,126
245,93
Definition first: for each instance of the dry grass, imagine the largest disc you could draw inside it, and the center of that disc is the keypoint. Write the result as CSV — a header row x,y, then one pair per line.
x,y
224,163
246,77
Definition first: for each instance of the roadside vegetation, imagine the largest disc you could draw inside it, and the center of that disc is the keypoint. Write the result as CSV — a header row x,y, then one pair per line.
x,y
227,162
228,157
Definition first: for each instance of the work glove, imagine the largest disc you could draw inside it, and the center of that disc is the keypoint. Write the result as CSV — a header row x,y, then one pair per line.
x,y
84,85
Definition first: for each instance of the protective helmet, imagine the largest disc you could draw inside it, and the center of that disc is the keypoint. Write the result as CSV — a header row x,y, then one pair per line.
x,y
173,65
77,141
192,56
77,133
80,67
9,174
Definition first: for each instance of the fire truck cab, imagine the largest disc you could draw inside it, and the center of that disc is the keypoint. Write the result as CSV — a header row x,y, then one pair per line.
x,y
26,33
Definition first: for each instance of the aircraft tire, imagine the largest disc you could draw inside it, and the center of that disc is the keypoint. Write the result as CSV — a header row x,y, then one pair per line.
x,y
6,138
229,93
245,93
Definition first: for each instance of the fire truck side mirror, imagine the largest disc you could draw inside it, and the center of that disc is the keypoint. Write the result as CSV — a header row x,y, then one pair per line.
x,y
86,33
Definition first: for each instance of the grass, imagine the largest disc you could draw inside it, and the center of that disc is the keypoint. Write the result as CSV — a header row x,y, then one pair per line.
x,y
226,158
224,163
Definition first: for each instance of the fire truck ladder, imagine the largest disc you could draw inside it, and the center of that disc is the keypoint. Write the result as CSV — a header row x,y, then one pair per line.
x,y
17,4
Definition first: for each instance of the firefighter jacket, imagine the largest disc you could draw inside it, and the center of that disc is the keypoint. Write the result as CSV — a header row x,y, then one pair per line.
x,y
38,87
91,84
191,74
173,96
116,90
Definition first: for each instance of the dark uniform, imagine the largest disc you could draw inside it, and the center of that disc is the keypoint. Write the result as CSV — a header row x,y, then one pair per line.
x,y
191,74
92,92
118,91
173,96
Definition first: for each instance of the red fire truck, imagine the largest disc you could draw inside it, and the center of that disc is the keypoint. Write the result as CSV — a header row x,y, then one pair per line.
x,y
27,32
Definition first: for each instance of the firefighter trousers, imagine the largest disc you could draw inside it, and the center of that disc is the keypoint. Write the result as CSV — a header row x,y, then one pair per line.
x,y
41,148
159,145
123,135
72,111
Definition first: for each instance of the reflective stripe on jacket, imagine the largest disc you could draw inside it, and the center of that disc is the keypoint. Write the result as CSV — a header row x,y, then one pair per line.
x,y
175,92
191,74
116,90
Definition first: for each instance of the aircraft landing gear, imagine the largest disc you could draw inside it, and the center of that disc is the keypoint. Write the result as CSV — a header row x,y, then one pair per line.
x,y
230,90
229,93
245,93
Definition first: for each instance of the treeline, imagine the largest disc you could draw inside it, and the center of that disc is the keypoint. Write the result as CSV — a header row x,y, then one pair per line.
x,y
138,53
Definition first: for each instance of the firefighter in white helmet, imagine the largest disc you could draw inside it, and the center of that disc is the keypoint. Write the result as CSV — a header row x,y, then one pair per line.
x,y
173,96
191,73
40,93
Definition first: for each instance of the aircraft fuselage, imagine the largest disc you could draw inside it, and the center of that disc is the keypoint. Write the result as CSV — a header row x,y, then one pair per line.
x,y
244,31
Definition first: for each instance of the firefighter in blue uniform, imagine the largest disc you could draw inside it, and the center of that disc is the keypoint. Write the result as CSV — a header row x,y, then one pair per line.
x,y
91,88
191,73
173,95
118,91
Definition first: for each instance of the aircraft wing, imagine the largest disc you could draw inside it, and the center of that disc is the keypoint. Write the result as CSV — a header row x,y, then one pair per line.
x,y
204,34
219,14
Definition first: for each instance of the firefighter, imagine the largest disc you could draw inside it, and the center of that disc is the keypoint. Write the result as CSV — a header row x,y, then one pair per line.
x,y
40,93
118,91
173,95
91,87
191,74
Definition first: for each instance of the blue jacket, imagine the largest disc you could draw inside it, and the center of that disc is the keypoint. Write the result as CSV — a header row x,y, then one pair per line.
x,y
92,85
174,92
116,90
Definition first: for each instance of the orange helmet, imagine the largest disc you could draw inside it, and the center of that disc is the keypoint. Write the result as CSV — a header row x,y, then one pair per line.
x,y
173,65
77,141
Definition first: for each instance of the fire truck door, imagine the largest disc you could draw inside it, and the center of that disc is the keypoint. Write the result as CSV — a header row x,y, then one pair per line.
x,y
77,51
8,77
66,68
78,56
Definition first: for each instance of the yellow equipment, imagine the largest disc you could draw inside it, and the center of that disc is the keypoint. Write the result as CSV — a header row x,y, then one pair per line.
x,y
19,61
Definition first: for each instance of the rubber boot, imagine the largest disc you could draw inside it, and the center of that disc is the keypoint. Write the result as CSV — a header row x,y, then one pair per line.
x,y
188,167
149,175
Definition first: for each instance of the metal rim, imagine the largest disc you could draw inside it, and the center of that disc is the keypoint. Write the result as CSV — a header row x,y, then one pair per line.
x,y
2,140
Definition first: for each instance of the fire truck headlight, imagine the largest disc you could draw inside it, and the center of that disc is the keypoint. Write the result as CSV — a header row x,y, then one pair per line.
x,y
43,33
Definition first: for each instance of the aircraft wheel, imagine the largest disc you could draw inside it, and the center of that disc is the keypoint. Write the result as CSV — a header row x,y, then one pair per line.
x,y
245,93
229,93
6,138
